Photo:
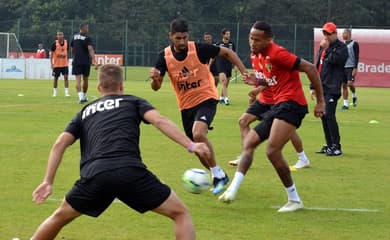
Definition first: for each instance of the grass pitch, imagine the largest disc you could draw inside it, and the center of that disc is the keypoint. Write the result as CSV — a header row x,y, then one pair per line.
x,y
347,197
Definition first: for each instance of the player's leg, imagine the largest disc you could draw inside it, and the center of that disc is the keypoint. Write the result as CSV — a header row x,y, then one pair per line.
x,y
53,224
303,160
223,78
65,73
244,122
279,136
56,75
344,86
351,86
175,209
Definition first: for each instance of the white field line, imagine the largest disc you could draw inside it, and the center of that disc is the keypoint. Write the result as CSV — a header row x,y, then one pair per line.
x,y
336,209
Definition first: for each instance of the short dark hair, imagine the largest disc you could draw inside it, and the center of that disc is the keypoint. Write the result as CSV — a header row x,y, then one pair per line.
x,y
179,25
82,25
206,33
263,26
224,30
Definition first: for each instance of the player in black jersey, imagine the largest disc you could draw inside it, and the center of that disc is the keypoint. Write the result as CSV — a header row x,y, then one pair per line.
x,y
224,66
111,165
83,56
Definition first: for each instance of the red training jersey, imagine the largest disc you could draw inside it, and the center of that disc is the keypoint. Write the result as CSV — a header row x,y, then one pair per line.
x,y
276,67
265,95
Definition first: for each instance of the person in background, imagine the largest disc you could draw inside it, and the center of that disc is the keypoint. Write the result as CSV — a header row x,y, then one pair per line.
x,y
111,165
83,56
331,58
208,38
350,68
41,52
60,62
224,66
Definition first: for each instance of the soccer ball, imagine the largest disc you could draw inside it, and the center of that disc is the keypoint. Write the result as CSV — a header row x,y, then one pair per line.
x,y
196,180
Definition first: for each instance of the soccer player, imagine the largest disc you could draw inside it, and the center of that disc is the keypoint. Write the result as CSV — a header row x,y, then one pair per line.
x,y
224,66
111,165
196,94
279,71
41,53
83,56
331,58
59,62
208,38
257,109
350,68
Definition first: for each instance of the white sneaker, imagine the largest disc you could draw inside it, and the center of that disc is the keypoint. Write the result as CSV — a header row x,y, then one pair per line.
x,y
291,206
235,162
54,95
228,196
67,95
302,163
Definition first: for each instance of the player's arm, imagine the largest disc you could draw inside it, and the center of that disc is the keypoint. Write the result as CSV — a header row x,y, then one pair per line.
x,y
168,128
57,151
156,74
315,84
91,52
234,59
356,51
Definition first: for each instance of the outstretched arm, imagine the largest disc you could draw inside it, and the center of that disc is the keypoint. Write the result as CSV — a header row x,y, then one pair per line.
x,y
57,151
168,128
234,59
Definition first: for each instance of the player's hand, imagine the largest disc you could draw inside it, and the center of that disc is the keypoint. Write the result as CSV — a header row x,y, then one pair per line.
x,y
249,78
324,43
202,150
42,192
154,74
319,109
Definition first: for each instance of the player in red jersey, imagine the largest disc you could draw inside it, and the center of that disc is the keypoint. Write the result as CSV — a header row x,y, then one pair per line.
x,y
279,70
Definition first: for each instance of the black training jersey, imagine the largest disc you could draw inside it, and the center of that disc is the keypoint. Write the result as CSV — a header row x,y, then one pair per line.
x,y
230,45
80,44
205,52
108,129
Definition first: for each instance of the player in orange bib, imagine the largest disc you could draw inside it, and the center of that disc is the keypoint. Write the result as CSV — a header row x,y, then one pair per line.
x,y
196,94
59,62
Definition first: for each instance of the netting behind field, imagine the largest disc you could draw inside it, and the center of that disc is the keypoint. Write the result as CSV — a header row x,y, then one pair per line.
x,y
9,46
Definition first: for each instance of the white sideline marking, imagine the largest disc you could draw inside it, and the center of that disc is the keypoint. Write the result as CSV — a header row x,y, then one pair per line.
x,y
336,209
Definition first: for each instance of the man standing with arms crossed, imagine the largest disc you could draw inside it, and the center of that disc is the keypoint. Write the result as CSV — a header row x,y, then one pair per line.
x,y
187,65
59,62
83,56
350,69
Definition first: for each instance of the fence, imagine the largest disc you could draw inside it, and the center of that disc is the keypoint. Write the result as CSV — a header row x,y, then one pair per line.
x,y
140,42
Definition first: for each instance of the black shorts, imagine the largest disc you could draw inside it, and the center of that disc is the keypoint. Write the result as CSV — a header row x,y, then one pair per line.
x,y
81,70
61,70
225,68
203,112
289,111
258,109
213,69
137,187
348,75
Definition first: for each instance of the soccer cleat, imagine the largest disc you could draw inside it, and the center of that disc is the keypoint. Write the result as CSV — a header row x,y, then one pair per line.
x,y
235,162
354,100
54,95
323,150
302,163
219,184
67,95
228,196
344,107
334,151
291,206
221,101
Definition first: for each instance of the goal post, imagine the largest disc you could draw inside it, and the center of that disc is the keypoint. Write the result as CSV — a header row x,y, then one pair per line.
x,y
9,46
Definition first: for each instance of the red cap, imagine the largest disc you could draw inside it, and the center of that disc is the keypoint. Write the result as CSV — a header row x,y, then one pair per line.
x,y
329,27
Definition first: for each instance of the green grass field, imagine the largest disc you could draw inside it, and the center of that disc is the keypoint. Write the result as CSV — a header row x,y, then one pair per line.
x,y
347,197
